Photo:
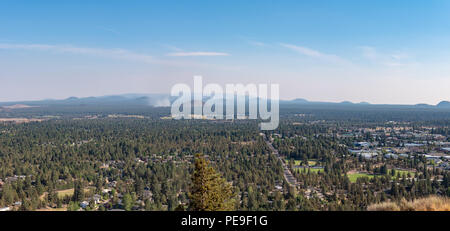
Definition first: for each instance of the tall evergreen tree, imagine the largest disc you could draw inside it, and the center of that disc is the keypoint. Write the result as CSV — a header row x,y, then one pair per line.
x,y
78,193
209,191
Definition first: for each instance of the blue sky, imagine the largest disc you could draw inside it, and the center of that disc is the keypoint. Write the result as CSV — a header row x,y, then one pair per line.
x,y
378,51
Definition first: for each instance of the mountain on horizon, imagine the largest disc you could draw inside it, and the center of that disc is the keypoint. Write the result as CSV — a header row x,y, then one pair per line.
x,y
163,100
445,104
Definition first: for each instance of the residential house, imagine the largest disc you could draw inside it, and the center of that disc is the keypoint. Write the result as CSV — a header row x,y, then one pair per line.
x,y
84,204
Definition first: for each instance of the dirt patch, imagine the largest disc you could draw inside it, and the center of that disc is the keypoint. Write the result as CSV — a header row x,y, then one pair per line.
x,y
19,120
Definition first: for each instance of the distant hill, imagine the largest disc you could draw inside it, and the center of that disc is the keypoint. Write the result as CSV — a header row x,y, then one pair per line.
x,y
304,101
155,100
163,100
299,100
444,104
72,98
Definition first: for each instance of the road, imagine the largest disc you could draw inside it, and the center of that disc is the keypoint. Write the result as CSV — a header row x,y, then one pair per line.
x,y
287,173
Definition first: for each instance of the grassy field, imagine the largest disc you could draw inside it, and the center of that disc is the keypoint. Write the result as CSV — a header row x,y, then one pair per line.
x,y
313,170
68,192
353,176
297,162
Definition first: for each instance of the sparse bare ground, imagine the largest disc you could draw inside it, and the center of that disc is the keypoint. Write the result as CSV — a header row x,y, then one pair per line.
x,y
20,120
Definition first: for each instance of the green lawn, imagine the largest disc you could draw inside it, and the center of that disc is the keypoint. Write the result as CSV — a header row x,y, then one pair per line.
x,y
313,170
353,176
69,192
297,162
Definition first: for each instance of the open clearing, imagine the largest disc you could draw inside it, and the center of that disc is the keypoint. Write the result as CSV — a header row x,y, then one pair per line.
x,y
312,170
353,176
68,192
20,120
297,162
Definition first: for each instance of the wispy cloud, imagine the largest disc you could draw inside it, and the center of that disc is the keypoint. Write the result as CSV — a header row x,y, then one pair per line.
x,y
304,50
395,59
110,53
122,54
111,30
314,53
256,43
198,53
173,48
